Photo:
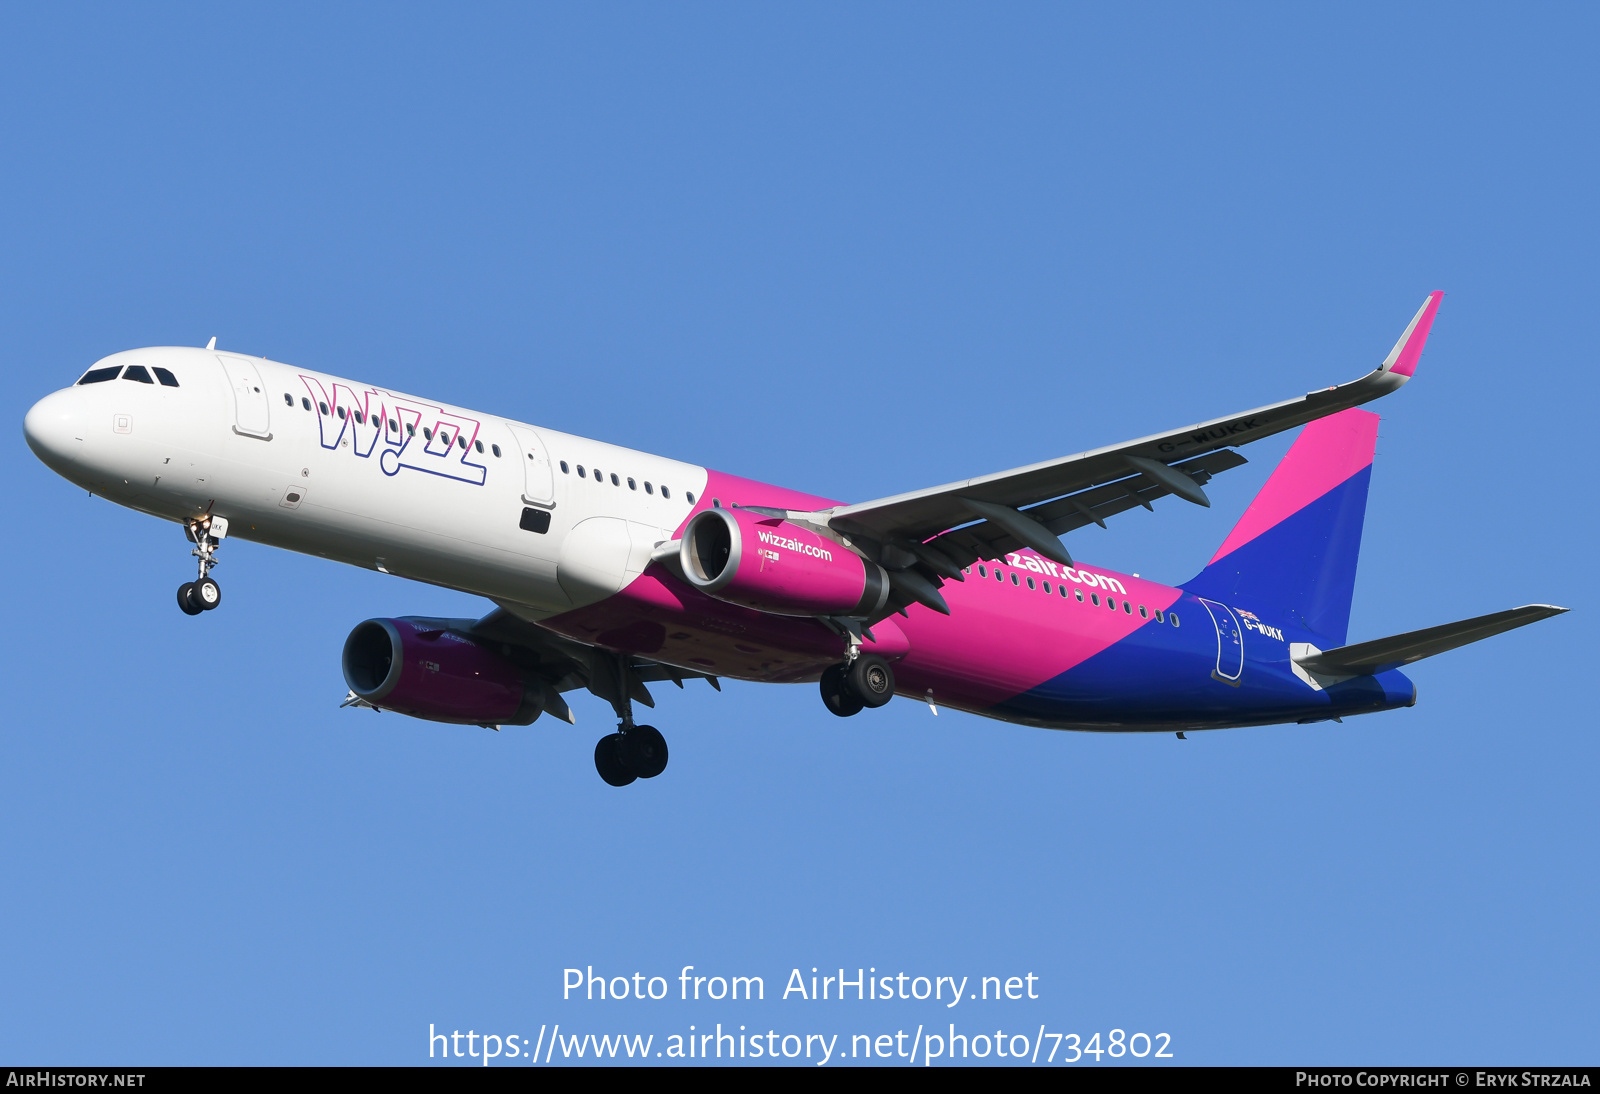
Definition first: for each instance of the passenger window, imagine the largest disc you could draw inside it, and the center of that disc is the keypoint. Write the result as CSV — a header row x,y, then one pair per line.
x,y
324,409
361,419
496,449
427,434
138,373
648,489
1172,617
564,469
1111,602
1127,607
1094,598
998,576
100,375
1032,586
631,485
598,477
666,493
1142,613
982,572
461,443
1062,589
479,446
394,426
688,496
535,520
411,429
1014,580
305,402
1159,617
1077,594
165,376
1047,587
580,471
340,411
288,400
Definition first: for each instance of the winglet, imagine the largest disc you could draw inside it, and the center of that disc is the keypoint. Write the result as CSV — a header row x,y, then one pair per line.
x,y
1402,360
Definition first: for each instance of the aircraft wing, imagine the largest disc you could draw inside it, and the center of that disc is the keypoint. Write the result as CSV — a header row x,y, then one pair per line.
x,y
946,528
566,665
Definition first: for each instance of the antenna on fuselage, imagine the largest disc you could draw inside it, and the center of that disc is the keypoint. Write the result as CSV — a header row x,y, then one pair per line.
x,y
213,343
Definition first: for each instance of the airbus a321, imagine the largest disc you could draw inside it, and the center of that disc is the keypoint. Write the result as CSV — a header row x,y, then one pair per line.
x,y
612,569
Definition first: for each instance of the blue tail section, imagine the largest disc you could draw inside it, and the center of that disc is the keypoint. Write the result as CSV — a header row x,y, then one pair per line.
x,y
1291,559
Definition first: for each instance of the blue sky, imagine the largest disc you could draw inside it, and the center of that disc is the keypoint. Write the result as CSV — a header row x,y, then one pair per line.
x,y
853,250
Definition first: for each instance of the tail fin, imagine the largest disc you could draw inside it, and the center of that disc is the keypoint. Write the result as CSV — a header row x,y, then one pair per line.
x,y
1292,556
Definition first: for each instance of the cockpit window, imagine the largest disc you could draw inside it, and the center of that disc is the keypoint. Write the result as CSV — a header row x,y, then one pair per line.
x,y
138,373
100,375
165,376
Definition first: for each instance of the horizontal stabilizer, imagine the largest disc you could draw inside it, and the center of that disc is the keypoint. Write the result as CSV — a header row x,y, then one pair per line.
x,y
1382,654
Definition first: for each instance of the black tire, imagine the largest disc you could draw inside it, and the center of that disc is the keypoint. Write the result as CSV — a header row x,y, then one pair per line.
x,y
644,751
836,695
871,680
206,593
186,601
608,761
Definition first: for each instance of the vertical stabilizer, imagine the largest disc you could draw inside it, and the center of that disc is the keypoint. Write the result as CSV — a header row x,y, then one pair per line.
x,y
1292,556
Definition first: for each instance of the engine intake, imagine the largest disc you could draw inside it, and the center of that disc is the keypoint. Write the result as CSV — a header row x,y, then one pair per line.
x,y
415,667
774,566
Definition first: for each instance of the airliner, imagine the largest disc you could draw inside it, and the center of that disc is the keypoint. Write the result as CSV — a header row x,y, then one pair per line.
x,y
611,569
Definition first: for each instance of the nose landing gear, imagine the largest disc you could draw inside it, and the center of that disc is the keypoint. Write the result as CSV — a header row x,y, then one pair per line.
x,y
203,594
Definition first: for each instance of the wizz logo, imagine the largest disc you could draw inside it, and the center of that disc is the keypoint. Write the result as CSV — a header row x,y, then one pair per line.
x,y
402,432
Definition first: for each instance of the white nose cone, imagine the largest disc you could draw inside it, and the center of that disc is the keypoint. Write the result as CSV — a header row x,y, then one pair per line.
x,y
54,428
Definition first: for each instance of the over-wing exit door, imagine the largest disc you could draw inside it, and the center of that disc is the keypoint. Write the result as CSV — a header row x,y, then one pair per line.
x,y
1230,643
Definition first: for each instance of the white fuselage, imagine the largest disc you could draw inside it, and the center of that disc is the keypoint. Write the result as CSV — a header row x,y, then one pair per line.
x,y
339,469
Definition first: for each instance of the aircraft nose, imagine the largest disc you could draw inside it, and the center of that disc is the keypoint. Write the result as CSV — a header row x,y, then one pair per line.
x,y
54,428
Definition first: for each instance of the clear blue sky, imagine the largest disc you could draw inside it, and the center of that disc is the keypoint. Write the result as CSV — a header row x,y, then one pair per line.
x,y
853,250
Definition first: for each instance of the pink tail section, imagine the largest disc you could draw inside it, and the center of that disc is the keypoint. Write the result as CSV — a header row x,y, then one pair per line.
x,y
1402,360
1327,453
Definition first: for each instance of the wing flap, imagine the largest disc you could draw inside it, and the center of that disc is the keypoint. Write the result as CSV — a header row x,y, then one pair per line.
x,y
990,540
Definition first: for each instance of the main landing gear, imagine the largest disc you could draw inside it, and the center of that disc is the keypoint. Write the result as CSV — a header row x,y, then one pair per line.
x,y
203,594
632,752
866,680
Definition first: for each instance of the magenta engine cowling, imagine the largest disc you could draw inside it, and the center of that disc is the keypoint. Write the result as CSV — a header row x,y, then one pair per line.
x,y
412,668
774,566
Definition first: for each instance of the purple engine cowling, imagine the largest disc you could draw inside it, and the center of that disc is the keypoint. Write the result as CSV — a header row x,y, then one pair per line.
x,y
774,566
415,667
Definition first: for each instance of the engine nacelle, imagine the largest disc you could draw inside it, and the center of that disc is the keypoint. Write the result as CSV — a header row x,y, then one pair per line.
x,y
411,666
774,566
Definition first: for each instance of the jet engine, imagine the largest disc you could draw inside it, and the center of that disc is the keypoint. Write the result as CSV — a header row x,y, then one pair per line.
x,y
412,666
774,566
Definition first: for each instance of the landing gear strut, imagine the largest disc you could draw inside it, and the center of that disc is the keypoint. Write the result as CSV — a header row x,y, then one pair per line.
x,y
203,594
632,752
864,681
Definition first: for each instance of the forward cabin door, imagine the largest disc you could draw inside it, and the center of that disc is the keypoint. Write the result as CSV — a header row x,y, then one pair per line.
x,y
251,407
1230,643
539,481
